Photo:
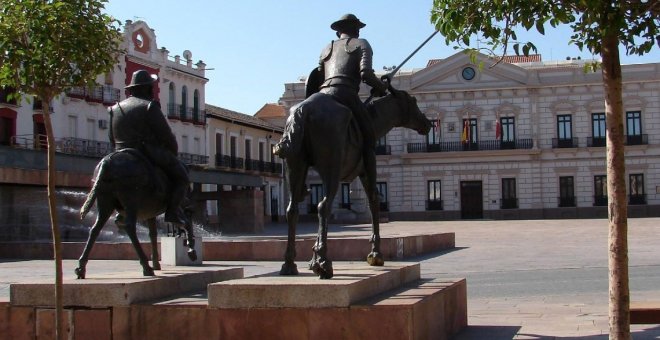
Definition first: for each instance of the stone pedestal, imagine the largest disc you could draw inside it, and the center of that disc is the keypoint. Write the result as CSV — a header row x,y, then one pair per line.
x,y
122,288
174,252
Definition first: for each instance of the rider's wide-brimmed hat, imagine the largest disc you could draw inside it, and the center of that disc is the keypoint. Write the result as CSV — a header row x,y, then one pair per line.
x,y
142,77
347,20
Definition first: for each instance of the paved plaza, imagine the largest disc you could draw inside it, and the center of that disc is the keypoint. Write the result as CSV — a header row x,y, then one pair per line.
x,y
539,279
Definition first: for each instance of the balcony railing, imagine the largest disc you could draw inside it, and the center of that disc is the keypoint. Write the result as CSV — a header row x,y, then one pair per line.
x,y
523,143
600,201
186,114
38,105
566,201
105,94
229,162
433,204
561,143
191,159
637,199
509,203
384,206
84,147
636,139
383,149
595,141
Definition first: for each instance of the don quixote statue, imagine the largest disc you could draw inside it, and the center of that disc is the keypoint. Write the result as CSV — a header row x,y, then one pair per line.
x,y
142,178
333,131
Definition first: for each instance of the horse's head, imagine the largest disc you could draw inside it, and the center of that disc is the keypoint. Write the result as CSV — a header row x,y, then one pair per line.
x,y
412,117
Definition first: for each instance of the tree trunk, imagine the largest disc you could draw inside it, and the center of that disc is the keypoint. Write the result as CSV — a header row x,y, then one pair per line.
x,y
52,205
619,293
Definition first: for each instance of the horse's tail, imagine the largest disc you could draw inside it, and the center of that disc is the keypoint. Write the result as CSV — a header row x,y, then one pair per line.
x,y
91,197
292,138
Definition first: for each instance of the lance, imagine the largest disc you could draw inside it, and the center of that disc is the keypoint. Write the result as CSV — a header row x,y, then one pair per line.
x,y
388,77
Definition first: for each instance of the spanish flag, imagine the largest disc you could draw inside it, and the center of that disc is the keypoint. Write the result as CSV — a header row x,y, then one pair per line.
x,y
465,136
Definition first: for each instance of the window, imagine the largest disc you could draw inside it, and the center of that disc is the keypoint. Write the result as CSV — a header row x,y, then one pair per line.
x,y
184,144
315,197
634,128
509,199
566,192
171,103
469,136
197,145
434,198
184,101
262,148
381,146
232,146
433,137
73,126
564,132
381,188
248,149
219,159
196,117
508,133
637,196
600,190
598,129
346,195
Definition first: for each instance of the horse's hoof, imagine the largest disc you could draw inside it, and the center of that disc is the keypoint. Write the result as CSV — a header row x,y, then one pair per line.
x,y
192,254
80,273
323,269
148,272
375,259
156,266
289,269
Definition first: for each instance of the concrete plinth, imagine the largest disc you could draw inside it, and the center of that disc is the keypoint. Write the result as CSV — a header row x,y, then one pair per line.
x,y
352,282
122,289
174,252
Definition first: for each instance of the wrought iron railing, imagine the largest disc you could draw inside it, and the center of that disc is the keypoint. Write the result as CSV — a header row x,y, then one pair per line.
x,y
433,204
104,94
566,201
595,141
560,143
637,199
445,146
600,201
84,147
636,139
509,203
383,150
192,159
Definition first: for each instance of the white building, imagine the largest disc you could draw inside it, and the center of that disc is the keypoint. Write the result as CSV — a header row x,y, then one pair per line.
x,y
80,116
533,146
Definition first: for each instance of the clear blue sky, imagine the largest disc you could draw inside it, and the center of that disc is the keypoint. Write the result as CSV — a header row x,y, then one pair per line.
x,y
256,46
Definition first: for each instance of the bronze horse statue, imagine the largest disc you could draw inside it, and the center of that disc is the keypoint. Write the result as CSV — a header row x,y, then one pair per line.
x,y
333,146
125,181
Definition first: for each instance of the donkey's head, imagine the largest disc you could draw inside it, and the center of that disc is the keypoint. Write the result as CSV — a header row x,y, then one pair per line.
x,y
411,116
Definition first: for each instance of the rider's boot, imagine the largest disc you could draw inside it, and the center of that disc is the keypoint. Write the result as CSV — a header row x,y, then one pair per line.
x,y
174,212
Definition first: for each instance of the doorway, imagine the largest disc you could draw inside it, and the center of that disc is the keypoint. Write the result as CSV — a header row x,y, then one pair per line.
x,y
472,206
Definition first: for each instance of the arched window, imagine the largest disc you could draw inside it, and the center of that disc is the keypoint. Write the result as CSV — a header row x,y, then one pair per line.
x,y
171,102
196,106
184,101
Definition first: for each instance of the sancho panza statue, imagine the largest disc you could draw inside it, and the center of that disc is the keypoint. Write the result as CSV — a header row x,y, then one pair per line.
x,y
137,122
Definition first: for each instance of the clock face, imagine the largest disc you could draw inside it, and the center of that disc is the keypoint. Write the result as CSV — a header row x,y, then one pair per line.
x,y
468,73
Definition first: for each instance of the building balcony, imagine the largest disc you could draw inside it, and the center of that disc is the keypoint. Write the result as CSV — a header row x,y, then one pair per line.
x,y
433,204
384,206
636,139
637,199
225,161
564,143
186,114
38,105
600,201
383,149
447,146
566,201
596,141
509,203
192,159
83,147
102,94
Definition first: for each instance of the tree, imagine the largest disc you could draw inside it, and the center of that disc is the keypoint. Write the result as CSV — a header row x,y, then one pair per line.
x,y
47,46
600,26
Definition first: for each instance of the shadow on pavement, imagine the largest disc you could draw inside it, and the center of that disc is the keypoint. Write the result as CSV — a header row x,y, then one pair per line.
x,y
488,332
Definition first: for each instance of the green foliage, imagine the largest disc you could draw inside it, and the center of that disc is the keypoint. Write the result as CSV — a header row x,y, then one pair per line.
x,y
636,22
49,46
